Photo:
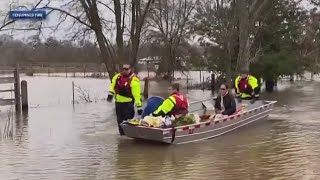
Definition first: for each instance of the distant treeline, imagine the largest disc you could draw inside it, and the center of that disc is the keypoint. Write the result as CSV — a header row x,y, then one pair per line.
x,y
51,50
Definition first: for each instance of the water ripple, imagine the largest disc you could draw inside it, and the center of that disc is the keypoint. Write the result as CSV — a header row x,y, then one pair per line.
x,y
81,142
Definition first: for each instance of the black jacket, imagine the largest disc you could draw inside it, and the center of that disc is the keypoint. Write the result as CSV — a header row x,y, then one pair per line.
x,y
228,102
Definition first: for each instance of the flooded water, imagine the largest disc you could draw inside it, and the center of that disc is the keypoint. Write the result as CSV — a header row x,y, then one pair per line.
x,y
57,140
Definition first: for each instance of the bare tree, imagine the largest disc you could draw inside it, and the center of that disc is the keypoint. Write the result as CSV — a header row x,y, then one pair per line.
x,y
139,11
231,26
96,22
248,12
216,23
168,22
29,26
90,16
310,44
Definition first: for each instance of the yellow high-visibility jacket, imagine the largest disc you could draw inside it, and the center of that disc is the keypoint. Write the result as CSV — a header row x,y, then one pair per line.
x,y
135,90
166,106
170,105
252,82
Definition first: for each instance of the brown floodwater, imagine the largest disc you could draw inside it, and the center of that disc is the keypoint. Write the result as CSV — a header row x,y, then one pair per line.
x,y
58,140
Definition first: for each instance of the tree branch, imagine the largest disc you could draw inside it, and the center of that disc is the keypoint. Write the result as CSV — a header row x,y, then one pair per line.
x,y
144,14
106,5
258,10
124,14
5,24
73,16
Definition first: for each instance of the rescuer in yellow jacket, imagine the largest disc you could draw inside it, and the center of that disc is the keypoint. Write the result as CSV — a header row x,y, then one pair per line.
x,y
125,86
176,104
246,87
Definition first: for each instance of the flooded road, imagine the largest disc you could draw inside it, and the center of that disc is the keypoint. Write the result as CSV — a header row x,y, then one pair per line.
x,y
57,140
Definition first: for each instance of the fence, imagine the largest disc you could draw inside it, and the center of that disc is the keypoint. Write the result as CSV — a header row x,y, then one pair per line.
x,y
12,77
64,69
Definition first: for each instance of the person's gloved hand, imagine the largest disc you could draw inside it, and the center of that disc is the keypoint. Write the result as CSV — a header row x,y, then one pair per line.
x,y
139,110
110,97
255,98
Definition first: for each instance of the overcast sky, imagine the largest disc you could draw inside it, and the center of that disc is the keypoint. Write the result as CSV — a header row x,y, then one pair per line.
x,y
64,32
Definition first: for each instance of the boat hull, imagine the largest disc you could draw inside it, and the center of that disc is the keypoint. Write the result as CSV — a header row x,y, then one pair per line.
x,y
202,130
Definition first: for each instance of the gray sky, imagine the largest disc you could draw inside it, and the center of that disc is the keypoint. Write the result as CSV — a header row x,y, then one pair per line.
x,y
65,31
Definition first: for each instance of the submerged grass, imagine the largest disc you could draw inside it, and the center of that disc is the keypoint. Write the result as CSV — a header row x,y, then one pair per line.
x,y
7,132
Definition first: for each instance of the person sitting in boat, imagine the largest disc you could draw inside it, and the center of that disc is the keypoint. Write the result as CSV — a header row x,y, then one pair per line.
x,y
246,87
225,103
176,104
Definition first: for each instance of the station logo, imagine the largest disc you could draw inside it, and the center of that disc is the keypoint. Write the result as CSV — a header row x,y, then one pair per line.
x,y
23,13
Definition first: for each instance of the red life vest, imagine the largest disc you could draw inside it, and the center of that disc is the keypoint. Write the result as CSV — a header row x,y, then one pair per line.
x,y
244,85
181,106
123,86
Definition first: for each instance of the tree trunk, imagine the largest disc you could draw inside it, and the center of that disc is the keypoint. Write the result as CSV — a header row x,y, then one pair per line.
x,y
228,55
269,83
244,39
92,14
105,55
135,50
167,62
292,77
119,35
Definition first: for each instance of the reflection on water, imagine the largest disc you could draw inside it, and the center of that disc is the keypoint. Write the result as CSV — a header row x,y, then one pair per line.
x,y
81,142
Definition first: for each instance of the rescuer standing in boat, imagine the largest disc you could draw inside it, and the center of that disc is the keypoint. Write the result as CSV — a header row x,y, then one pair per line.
x,y
125,86
246,87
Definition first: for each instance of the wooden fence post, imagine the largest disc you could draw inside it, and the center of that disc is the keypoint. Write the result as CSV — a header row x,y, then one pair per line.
x,y
24,96
17,90
213,82
84,71
146,88
291,77
148,69
48,71
65,69
203,83
187,82
72,92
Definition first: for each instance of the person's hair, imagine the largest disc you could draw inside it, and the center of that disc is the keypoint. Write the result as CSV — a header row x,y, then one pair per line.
x,y
225,84
126,66
175,86
244,71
